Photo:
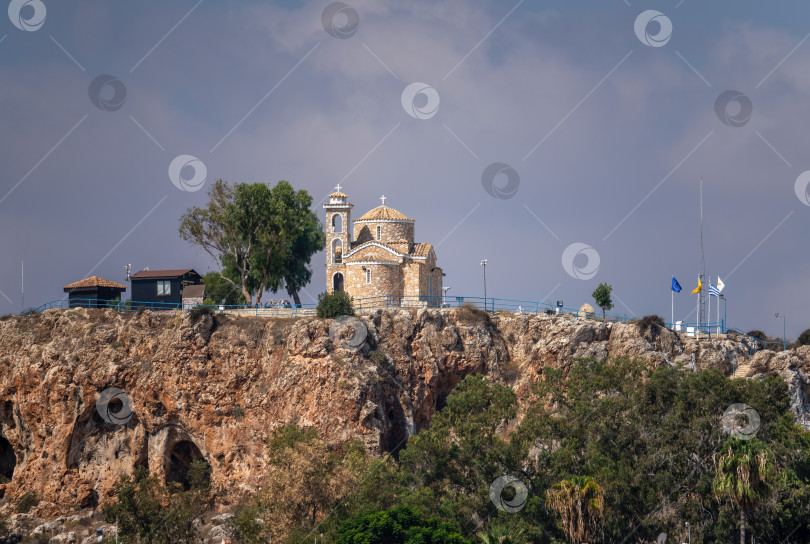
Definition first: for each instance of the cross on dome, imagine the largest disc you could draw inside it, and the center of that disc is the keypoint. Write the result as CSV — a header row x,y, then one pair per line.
x,y
338,187
383,199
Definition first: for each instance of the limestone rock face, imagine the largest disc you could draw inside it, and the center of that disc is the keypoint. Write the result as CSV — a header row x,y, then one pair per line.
x,y
217,387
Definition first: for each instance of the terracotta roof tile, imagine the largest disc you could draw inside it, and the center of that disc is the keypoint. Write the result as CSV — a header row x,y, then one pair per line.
x,y
384,212
421,250
94,281
161,273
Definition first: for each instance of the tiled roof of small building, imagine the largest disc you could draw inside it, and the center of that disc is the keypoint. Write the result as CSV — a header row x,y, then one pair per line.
x,y
384,212
421,250
194,291
94,281
338,195
162,273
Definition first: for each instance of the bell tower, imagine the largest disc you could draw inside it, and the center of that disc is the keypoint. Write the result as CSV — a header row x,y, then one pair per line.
x,y
338,238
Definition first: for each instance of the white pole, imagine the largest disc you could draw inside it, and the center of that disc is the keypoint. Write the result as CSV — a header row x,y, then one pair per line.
x,y
709,313
22,286
697,329
672,319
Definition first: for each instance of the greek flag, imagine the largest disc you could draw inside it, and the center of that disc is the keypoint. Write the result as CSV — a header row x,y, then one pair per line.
x,y
713,290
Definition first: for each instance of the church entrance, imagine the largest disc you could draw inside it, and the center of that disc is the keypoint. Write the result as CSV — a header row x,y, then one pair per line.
x,y
337,282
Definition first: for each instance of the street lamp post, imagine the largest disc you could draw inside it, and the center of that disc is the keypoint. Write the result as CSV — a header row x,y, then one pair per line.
x,y
444,296
484,264
689,530
784,330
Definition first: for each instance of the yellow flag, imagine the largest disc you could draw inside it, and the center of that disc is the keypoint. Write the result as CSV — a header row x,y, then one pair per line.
x,y
699,288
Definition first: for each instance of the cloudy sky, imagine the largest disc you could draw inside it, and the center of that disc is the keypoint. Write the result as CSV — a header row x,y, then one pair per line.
x,y
603,116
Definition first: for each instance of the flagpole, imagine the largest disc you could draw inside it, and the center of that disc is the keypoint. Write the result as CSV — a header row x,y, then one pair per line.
x,y
672,319
697,329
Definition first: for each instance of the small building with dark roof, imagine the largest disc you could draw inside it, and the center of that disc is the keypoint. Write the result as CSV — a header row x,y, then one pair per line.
x,y
93,292
193,295
162,286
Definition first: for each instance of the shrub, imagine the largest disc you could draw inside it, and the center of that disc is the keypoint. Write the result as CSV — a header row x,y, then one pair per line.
x,y
650,325
759,335
468,314
804,339
27,502
378,357
198,311
334,304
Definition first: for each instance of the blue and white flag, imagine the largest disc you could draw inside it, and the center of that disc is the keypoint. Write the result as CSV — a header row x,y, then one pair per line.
x,y
713,290
675,285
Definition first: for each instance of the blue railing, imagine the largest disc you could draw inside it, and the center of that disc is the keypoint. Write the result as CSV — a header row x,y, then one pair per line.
x,y
266,309
754,341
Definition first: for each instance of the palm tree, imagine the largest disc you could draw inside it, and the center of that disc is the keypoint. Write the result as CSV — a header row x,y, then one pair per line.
x,y
744,471
580,502
500,535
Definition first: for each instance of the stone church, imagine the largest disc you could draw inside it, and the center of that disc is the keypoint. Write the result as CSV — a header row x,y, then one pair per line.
x,y
376,256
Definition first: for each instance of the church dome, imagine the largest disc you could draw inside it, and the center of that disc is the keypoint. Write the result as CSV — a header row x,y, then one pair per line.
x,y
384,213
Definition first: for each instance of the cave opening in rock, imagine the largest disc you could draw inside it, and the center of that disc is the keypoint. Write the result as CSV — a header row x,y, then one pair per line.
x,y
395,438
181,459
8,460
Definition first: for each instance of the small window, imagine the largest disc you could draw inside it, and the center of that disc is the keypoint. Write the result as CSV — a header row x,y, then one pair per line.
x,y
379,232
368,273
164,288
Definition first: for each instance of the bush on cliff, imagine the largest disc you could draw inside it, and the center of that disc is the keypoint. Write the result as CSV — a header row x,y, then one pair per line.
x,y
27,502
334,304
308,480
804,339
650,325
148,511
469,314
401,525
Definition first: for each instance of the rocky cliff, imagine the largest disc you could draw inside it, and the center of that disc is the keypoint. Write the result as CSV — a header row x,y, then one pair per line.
x,y
86,395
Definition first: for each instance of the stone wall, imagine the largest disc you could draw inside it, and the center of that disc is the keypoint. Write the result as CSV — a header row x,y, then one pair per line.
x,y
386,279
391,231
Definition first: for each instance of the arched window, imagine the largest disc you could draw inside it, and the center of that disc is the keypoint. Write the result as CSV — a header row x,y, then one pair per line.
x,y
337,251
337,282
368,275
379,232
337,223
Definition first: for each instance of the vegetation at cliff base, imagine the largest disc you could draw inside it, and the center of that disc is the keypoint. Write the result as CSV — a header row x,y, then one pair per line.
x,y
149,512
604,450
613,451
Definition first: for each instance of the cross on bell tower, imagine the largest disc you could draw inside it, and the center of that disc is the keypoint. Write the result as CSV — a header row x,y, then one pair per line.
x,y
383,199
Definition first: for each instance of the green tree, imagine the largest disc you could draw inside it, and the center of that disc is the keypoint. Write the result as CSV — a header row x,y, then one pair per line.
x,y
334,304
804,338
264,237
602,297
745,470
221,291
151,513
580,503
401,525
501,534
306,479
